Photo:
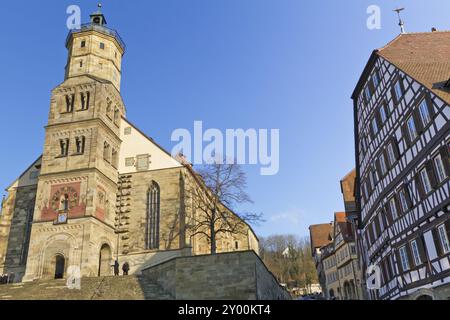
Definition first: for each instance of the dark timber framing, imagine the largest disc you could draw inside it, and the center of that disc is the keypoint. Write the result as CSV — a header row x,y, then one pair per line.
x,y
381,233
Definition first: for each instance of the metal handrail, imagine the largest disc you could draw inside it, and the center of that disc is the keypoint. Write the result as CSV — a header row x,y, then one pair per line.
x,y
99,28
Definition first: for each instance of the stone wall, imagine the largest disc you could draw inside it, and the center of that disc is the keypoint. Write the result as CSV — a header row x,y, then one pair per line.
x,y
225,276
16,240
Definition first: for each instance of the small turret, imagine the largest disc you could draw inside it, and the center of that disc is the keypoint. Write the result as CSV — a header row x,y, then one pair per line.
x,y
98,17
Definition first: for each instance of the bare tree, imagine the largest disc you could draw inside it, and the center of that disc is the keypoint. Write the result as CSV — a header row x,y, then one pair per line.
x,y
289,258
220,189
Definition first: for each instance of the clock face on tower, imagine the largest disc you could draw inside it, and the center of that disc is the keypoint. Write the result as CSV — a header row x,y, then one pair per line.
x,y
64,199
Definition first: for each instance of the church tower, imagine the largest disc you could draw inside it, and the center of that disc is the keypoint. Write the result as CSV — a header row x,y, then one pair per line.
x,y
74,216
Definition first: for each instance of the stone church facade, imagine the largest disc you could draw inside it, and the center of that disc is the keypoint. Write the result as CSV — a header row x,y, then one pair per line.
x,y
102,190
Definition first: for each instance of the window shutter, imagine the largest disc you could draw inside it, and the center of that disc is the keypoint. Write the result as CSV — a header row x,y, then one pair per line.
x,y
418,121
377,226
447,228
389,267
430,171
386,162
400,79
383,218
383,270
406,134
419,186
394,97
409,254
397,204
407,196
378,168
371,87
388,213
421,245
430,105
378,117
399,261
445,159
437,242
396,149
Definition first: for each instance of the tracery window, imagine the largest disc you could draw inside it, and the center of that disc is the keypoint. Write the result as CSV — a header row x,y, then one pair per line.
x,y
153,217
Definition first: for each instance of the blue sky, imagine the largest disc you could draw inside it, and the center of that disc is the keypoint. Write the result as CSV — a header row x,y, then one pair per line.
x,y
285,64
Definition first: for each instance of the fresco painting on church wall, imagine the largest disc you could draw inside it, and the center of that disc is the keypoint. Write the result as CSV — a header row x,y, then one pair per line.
x,y
64,197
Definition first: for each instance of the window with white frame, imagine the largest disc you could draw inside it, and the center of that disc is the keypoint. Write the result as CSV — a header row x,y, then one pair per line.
x,y
398,90
415,253
443,238
403,201
393,207
424,112
383,115
439,165
425,181
376,81
368,94
374,126
412,131
391,154
404,258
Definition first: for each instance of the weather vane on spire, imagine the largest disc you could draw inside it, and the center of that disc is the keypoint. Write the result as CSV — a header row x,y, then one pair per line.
x,y
400,21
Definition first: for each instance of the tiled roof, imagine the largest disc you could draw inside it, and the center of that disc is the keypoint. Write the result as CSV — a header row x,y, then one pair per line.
x,y
321,235
348,186
344,226
423,56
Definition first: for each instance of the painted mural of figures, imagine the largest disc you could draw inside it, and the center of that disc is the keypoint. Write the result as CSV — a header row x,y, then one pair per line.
x,y
64,203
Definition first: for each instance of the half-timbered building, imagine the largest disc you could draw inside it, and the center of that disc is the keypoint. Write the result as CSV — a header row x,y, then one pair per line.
x,y
402,139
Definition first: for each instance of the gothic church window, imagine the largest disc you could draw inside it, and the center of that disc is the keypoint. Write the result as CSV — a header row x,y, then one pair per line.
x,y
115,158
70,100
106,152
153,217
64,147
109,110
85,97
80,143
116,116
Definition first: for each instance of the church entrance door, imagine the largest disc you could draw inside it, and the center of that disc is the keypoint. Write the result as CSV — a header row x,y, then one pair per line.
x,y
60,263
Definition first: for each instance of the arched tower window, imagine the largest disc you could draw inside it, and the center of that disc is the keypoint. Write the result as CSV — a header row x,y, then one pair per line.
x,y
153,208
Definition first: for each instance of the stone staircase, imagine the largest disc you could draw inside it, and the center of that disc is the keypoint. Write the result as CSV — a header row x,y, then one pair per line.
x,y
99,288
